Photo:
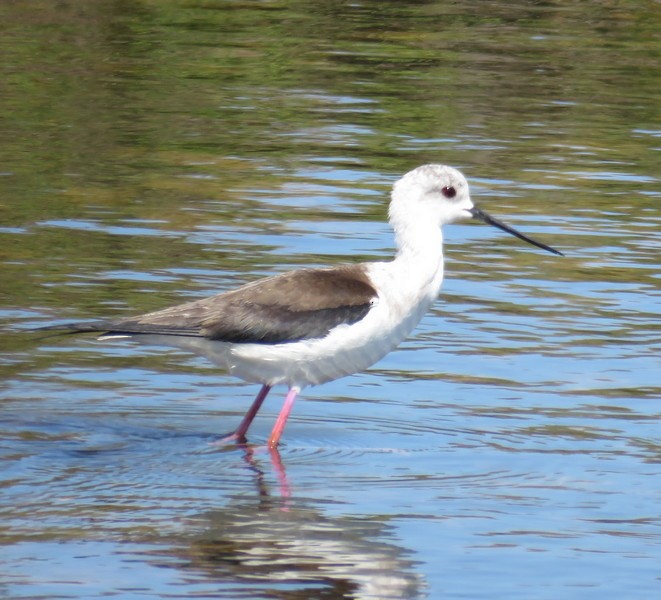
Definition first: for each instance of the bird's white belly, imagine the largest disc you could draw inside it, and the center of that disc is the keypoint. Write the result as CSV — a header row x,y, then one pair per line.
x,y
345,350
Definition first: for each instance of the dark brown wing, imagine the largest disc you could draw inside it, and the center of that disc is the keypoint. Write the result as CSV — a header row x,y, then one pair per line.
x,y
290,307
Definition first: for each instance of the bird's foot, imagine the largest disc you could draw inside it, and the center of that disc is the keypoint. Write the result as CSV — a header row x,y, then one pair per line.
x,y
230,439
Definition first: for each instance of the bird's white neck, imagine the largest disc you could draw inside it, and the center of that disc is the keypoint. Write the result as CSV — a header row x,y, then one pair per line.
x,y
418,238
419,257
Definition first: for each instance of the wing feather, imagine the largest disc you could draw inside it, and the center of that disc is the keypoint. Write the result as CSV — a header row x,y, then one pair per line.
x,y
298,305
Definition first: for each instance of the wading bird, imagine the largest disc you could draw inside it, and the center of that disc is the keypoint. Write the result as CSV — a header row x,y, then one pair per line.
x,y
310,326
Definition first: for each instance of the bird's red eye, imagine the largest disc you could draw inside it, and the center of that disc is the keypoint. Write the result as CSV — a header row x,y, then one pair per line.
x,y
449,191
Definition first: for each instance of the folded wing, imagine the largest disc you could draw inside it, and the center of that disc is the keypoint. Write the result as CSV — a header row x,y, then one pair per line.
x,y
294,306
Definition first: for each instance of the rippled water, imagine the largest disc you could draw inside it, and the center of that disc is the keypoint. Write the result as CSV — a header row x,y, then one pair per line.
x,y
160,152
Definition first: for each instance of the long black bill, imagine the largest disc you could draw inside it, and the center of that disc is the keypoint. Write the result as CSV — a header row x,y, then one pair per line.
x,y
487,218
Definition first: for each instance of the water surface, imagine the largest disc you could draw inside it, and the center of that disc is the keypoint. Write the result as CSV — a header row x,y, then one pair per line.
x,y
158,152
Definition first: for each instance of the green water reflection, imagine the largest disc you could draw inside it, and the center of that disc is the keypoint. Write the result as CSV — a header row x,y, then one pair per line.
x,y
158,151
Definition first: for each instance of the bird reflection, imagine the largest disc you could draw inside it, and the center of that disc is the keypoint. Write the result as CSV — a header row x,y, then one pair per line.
x,y
250,455
283,547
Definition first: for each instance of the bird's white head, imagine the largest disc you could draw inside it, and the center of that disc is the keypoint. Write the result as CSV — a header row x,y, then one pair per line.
x,y
431,195
434,195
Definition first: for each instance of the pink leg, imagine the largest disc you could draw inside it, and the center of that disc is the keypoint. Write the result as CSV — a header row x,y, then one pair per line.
x,y
242,429
276,461
282,417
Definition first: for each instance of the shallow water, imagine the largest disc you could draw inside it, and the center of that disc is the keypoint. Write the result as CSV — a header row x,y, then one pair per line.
x,y
160,152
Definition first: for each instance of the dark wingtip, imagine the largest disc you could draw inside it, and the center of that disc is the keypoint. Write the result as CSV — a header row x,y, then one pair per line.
x,y
51,331
83,327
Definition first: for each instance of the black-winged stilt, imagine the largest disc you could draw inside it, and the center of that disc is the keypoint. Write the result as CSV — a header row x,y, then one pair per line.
x,y
314,325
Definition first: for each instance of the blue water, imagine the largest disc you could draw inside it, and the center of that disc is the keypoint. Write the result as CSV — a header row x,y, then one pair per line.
x,y
161,153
